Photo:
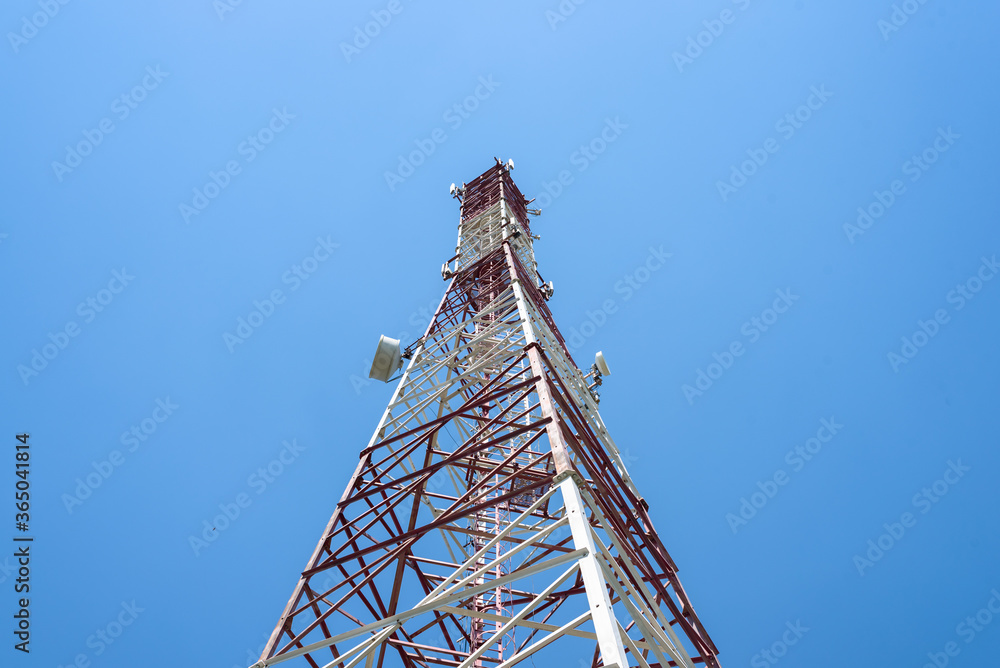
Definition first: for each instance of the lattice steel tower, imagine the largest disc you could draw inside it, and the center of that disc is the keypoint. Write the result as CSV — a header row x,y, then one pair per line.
x,y
490,520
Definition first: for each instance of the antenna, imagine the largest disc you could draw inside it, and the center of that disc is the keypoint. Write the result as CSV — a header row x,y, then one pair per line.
x,y
388,359
601,365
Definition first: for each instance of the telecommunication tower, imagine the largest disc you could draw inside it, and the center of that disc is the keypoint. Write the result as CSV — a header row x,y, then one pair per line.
x,y
490,520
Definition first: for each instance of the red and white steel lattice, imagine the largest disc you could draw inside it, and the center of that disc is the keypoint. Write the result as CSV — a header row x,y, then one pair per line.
x,y
490,519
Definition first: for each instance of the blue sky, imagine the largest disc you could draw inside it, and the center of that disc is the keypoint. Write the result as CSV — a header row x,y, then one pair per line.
x,y
209,159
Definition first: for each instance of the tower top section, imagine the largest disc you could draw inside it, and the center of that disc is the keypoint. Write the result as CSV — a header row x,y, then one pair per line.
x,y
493,210
487,189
